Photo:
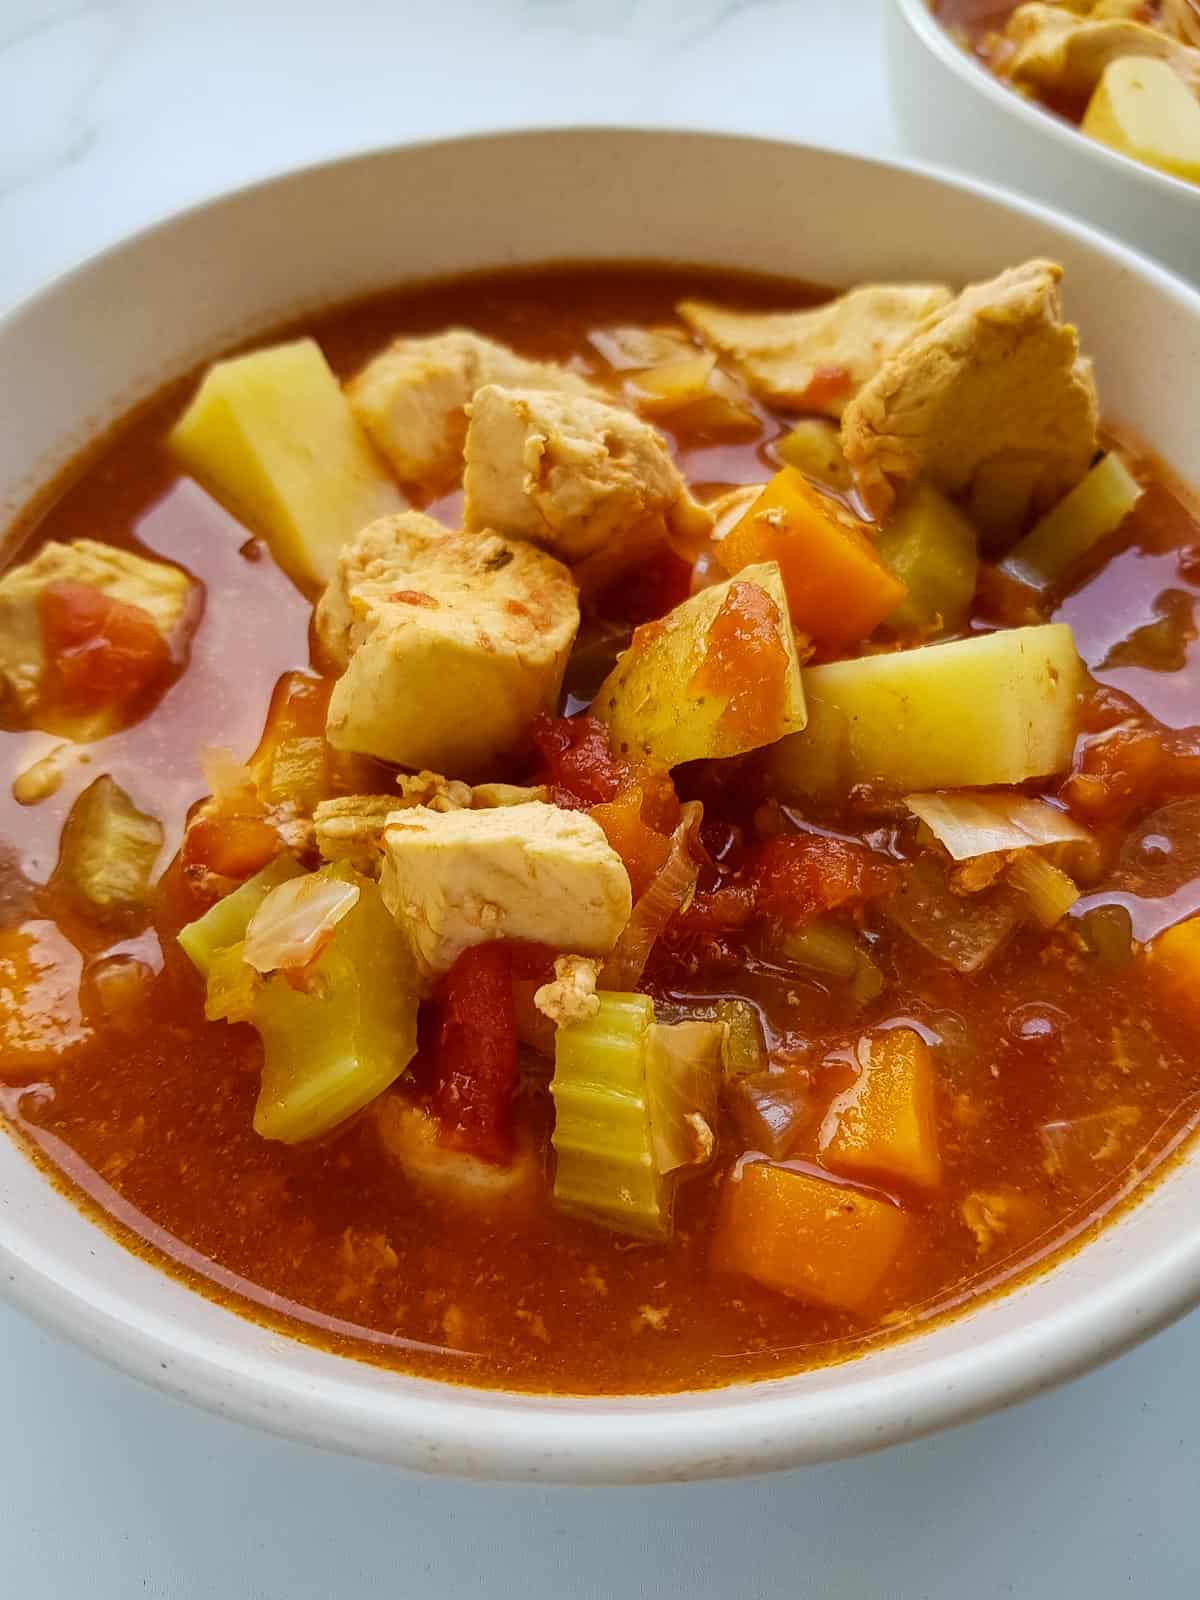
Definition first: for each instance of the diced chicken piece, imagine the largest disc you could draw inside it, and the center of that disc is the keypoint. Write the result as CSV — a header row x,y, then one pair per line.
x,y
571,995
991,400
411,1139
411,399
432,790
450,643
160,590
351,829
589,481
532,872
1066,54
816,360
487,796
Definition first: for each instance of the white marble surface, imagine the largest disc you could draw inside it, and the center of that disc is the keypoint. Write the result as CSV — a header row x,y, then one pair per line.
x,y
112,114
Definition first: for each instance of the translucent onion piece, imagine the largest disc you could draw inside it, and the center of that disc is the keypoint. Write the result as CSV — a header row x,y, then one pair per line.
x,y
1084,1151
975,824
964,931
670,890
1050,892
297,920
769,1108
729,508
627,349
683,1080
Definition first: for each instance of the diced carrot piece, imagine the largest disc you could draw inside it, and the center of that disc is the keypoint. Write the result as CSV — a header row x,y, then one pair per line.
x,y
1173,968
806,1236
39,996
884,1125
838,589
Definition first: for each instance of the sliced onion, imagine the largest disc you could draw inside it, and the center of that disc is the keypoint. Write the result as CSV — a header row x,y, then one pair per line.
x,y
683,1080
630,348
729,508
670,889
980,824
296,921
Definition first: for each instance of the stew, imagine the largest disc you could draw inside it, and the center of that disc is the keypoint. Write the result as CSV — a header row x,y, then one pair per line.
x,y
1126,71
609,829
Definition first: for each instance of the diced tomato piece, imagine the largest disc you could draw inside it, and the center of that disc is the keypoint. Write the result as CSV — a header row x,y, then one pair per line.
x,y
232,847
826,384
722,910
650,591
476,1073
746,663
577,762
802,875
1118,774
100,652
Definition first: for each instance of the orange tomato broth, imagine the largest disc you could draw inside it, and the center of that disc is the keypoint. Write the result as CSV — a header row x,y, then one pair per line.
x,y
147,1120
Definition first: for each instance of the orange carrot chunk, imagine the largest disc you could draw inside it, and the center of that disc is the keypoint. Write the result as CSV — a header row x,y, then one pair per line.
x,y
1173,968
884,1125
838,589
806,1236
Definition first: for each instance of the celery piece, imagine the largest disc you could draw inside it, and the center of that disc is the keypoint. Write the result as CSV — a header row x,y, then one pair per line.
x,y
226,922
744,1049
1050,892
1093,509
867,984
107,852
823,946
606,1169
331,1047
930,546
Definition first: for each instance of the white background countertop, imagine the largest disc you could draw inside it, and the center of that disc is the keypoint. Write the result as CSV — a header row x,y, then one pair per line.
x,y
113,113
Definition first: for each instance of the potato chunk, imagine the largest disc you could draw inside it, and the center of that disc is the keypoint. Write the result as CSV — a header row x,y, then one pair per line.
x,y
1068,55
990,401
412,398
450,643
453,879
995,709
271,435
161,590
817,359
1143,110
590,482
715,677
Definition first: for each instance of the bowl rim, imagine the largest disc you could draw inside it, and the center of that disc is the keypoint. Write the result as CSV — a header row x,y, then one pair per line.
x,y
937,40
498,1434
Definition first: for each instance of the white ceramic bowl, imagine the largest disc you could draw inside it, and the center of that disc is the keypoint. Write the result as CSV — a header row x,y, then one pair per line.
x,y
949,108
99,339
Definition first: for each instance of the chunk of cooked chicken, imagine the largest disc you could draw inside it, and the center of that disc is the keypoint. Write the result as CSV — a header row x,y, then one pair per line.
x,y
162,591
1065,54
411,398
589,481
571,995
991,401
350,827
453,879
449,643
817,359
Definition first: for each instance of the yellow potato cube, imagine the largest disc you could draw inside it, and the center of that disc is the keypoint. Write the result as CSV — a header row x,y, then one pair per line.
x,y
999,708
272,437
1142,108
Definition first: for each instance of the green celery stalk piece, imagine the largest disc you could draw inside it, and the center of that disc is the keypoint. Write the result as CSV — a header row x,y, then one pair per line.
x,y
330,1048
602,1135
1094,508
931,547
226,922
